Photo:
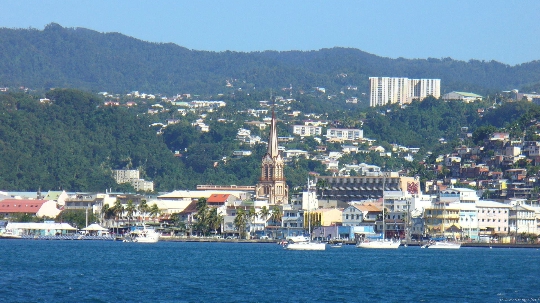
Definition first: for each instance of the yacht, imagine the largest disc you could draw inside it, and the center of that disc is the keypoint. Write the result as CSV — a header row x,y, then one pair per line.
x,y
145,235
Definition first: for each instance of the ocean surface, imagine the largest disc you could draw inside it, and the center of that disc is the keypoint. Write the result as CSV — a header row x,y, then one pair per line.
x,y
107,271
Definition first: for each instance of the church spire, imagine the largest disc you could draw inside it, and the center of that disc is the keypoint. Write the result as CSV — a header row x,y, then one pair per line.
x,y
272,141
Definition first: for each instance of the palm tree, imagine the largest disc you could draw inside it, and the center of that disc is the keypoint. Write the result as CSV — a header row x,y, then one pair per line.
x,y
143,209
118,211
277,215
154,211
130,209
264,213
202,216
214,220
107,212
240,221
251,215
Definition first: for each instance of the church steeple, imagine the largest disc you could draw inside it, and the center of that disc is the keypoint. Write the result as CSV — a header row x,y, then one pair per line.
x,y
272,184
272,140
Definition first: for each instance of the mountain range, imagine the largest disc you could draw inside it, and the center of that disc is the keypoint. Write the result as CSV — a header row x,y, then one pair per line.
x,y
81,58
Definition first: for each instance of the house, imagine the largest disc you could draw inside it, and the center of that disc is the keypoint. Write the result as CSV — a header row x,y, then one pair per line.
x,y
358,214
329,216
217,200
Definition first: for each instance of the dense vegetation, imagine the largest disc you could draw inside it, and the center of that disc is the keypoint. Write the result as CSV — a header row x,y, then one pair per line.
x,y
85,59
74,141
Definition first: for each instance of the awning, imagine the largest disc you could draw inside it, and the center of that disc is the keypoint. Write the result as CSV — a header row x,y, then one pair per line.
x,y
355,188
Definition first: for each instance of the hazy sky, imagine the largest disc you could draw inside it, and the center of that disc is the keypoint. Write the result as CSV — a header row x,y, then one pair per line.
x,y
505,31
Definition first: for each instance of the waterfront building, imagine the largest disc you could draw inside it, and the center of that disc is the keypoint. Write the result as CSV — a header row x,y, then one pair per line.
x,y
492,219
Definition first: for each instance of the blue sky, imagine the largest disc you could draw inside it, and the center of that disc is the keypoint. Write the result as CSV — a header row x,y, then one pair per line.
x,y
505,31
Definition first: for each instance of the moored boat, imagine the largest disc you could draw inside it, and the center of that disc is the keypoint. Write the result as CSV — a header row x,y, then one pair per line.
x,y
145,235
444,245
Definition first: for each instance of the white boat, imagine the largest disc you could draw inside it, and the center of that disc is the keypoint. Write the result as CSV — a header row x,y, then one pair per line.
x,y
8,234
381,243
444,245
336,245
145,235
302,242
297,239
306,246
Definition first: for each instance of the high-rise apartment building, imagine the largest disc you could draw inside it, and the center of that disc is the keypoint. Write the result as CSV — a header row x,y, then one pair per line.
x,y
390,90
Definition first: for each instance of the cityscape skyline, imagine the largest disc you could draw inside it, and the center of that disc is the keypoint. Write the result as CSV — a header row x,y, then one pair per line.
x,y
482,30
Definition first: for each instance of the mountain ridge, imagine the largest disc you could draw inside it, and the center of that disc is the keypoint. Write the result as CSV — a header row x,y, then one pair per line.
x,y
83,58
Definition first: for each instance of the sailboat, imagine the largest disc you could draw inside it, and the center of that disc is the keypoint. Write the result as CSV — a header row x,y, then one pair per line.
x,y
382,243
303,243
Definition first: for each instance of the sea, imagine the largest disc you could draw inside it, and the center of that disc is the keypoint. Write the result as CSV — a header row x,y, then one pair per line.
x,y
115,271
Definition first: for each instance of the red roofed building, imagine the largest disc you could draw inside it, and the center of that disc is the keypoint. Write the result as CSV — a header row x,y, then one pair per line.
x,y
220,199
39,208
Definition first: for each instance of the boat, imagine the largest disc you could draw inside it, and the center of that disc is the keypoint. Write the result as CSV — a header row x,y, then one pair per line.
x,y
145,235
8,234
336,245
444,245
305,243
382,242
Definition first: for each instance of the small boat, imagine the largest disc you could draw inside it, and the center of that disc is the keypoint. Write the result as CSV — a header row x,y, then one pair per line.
x,y
444,245
306,246
145,235
8,234
384,244
336,245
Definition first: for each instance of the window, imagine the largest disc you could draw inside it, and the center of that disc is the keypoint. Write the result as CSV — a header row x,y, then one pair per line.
x,y
347,217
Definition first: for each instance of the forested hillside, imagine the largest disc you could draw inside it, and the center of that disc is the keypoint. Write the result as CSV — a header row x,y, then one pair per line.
x,y
86,59
73,142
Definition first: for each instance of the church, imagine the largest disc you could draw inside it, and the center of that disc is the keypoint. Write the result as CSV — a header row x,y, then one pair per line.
x,y
272,184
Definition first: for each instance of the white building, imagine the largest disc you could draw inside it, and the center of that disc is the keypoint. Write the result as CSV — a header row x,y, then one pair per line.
x,y
307,130
391,90
344,134
125,175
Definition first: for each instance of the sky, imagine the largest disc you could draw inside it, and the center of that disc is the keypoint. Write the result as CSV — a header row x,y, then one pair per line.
x,y
505,31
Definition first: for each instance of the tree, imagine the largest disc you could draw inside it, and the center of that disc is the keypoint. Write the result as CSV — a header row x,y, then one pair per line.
x,y
130,210
202,216
214,220
240,222
154,211
107,212
143,208
277,215
264,213
118,210
251,216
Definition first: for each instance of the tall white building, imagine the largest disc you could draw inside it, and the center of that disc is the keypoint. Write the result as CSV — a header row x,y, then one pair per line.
x,y
390,90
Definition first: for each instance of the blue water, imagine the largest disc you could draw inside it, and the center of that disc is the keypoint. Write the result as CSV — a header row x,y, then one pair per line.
x,y
106,271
